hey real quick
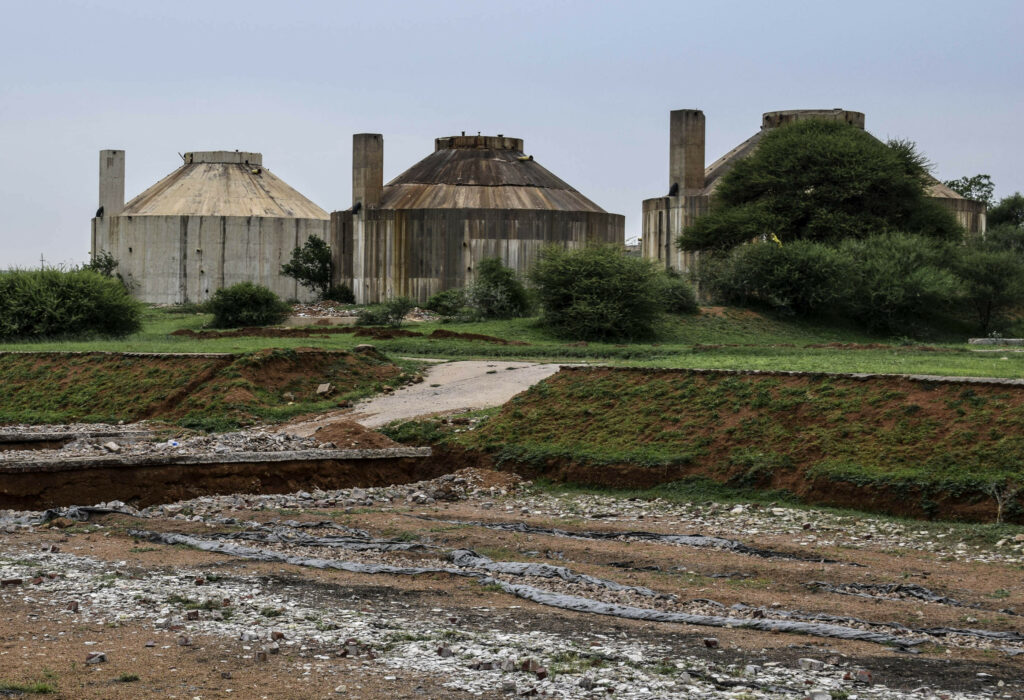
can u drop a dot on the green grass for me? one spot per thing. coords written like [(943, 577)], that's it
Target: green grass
[(738, 339), (33, 688)]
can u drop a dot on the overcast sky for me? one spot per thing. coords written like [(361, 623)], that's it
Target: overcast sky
[(587, 85)]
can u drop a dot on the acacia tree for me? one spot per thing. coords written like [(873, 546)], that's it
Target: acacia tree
[(977, 187), (821, 181), (311, 265)]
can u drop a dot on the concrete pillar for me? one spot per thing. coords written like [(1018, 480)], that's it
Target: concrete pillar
[(367, 170), (686, 150), (111, 182)]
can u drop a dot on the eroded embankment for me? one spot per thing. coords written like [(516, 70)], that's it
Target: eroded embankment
[(195, 390), (912, 446)]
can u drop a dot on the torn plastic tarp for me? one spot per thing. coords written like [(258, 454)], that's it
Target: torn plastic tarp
[(686, 540), (886, 591), (537, 595)]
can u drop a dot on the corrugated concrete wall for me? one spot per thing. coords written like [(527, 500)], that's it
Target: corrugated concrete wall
[(970, 214), (664, 219), (383, 253), (179, 259)]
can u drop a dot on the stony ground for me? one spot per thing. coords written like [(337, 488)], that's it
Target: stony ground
[(472, 586)]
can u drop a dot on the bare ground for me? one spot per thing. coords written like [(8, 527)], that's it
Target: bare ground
[(376, 635)]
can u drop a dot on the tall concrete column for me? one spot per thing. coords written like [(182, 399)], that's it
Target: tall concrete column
[(367, 170), (111, 182), (686, 150)]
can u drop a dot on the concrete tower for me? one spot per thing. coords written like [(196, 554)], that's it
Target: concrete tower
[(686, 150), (111, 182)]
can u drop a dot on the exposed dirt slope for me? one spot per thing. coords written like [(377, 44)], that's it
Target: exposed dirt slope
[(912, 447)]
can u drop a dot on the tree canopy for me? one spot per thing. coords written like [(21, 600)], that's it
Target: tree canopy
[(311, 265), (822, 181)]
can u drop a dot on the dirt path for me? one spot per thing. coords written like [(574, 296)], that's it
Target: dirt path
[(446, 388)]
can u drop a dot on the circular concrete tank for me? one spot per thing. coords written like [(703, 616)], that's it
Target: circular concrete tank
[(474, 197), (219, 219)]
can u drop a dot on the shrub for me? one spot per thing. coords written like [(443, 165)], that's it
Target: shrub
[(993, 281), (340, 293), (391, 313), (597, 293), (58, 303), (497, 293), (246, 304), (1009, 210), (801, 277), (102, 262), (899, 280), (677, 294), (311, 265), (448, 303)]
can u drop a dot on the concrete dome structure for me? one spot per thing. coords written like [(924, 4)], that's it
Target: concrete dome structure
[(219, 219), (692, 185), (474, 197)]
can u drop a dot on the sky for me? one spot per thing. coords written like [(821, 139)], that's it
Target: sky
[(587, 85)]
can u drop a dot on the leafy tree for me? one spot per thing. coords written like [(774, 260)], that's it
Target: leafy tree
[(978, 187), (1010, 210), (246, 304), (993, 281), (821, 181), (311, 265), (1006, 237), (597, 293)]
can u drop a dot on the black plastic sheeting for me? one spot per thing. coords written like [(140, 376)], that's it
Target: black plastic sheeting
[(886, 591), (686, 540), (79, 513), (537, 595), (352, 543), (469, 558)]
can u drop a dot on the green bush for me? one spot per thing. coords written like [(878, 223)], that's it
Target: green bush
[(1009, 210), (677, 295), (246, 304), (59, 303), (497, 293), (340, 293), (993, 281), (448, 303), (597, 293), (391, 313), (900, 280), (801, 277)]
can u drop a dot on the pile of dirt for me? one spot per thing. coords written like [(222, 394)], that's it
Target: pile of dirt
[(877, 346), (348, 434), (375, 332), (888, 443)]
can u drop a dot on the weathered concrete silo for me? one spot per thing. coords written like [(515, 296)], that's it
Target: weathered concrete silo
[(692, 186), (473, 197), (219, 219)]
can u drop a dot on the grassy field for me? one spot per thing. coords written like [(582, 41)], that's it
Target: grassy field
[(716, 339)]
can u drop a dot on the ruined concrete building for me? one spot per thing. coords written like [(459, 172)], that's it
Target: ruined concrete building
[(219, 219), (692, 185), (473, 197)]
